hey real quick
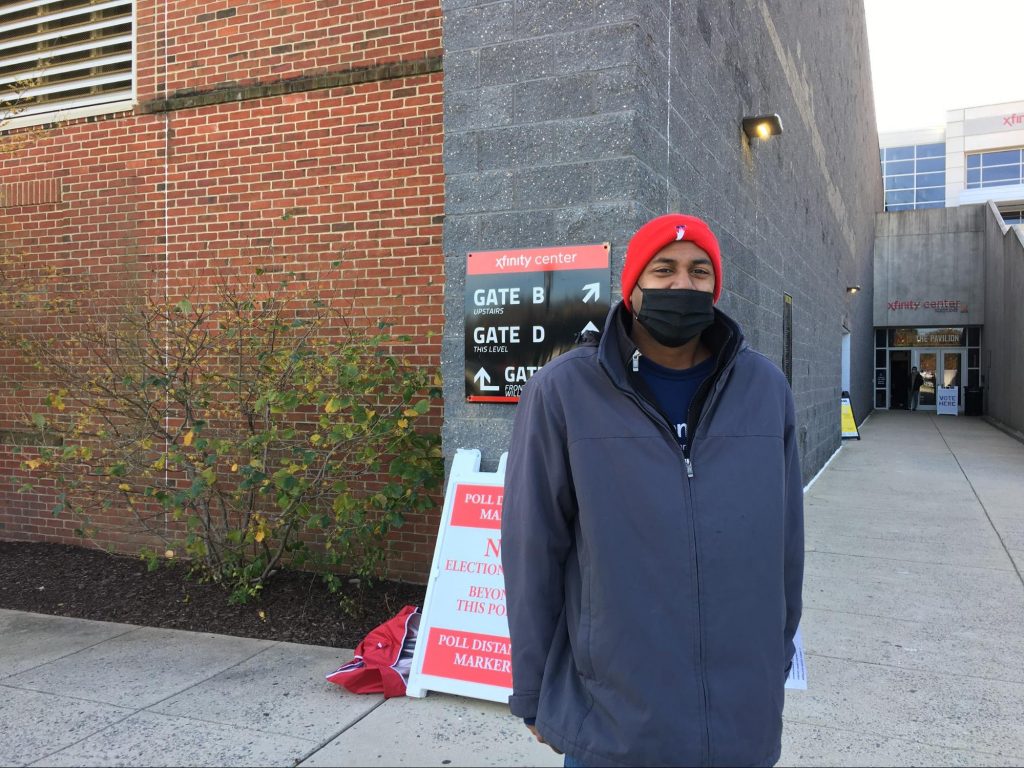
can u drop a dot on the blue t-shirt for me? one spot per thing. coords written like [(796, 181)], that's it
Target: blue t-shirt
[(673, 390)]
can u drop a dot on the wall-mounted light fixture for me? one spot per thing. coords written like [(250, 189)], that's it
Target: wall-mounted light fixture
[(852, 289), (762, 126)]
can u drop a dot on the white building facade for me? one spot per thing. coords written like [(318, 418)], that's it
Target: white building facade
[(977, 156), (935, 272)]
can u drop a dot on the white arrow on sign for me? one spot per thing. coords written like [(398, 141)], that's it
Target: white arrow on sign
[(591, 291), (590, 327), (483, 378)]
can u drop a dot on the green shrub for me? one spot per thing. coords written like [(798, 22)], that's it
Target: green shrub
[(258, 428)]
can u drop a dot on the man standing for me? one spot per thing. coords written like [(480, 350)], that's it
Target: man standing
[(652, 528)]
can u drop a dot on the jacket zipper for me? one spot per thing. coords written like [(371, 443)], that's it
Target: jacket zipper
[(700, 614), (702, 395), (688, 464)]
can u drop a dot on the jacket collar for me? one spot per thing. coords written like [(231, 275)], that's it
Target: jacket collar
[(616, 349)]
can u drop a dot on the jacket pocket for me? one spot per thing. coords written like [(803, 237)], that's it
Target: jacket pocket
[(581, 643)]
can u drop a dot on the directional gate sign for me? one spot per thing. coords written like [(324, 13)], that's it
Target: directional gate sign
[(524, 308)]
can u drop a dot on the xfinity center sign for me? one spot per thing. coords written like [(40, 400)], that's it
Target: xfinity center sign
[(526, 307)]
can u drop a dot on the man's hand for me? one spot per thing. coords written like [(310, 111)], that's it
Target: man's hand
[(538, 737)]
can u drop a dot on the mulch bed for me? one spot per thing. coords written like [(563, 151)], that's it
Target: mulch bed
[(91, 584)]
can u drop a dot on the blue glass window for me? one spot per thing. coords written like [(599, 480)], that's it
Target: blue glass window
[(931, 164), (899, 196), (900, 166), (915, 176), (1001, 175), (1002, 168), (931, 180), (899, 153), (899, 182), (1006, 157)]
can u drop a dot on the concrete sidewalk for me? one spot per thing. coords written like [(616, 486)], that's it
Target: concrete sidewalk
[(913, 626)]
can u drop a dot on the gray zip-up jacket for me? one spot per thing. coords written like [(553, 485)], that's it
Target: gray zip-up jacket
[(653, 596)]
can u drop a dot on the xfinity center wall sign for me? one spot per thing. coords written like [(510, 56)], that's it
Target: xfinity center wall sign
[(526, 307)]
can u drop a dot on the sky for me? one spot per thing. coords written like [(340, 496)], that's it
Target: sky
[(930, 56)]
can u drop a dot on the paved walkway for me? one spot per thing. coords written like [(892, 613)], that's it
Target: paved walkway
[(914, 629)]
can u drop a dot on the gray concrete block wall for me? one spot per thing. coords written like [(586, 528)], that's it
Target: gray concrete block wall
[(539, 131), (923, 255), (1002, 361), (575, 121)]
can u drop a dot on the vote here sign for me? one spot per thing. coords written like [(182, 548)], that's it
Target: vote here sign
[(463, 646), (525, 307)]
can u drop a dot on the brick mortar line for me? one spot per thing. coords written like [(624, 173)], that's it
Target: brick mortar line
[(357, 76)]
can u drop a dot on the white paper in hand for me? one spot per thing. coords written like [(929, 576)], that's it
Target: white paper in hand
[(797, 679)]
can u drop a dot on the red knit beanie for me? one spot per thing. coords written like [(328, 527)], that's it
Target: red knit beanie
[(655, 235)]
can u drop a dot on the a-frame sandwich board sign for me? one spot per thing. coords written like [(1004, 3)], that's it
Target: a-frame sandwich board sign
[(463, 643)]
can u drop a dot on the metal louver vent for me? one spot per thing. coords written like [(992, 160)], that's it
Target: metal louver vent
[(59, 55)]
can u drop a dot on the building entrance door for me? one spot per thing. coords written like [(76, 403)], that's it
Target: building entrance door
[(952, 368), (899, 379), (927, 362), (939, 368)]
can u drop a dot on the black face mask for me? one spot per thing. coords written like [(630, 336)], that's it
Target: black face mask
[(673, 316)]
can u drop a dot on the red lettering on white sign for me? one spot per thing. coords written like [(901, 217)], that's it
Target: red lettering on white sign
[(468, 656), (477, 506)]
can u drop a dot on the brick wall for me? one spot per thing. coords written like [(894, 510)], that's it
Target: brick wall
[(302, 132), (225, 43)]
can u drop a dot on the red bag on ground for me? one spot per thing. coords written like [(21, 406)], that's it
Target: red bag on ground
[(384, 657)]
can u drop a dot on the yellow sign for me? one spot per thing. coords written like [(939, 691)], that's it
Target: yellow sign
[(849, 424)]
